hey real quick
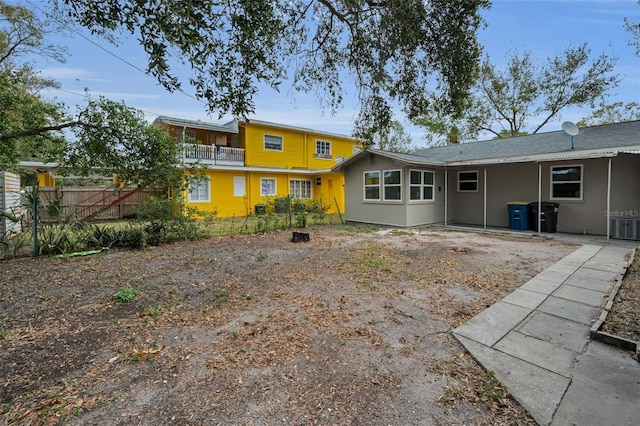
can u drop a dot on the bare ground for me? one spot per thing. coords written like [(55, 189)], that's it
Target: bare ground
[(351, 328), (624, 318)]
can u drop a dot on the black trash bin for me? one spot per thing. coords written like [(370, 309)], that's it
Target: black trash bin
[(551, 215), (533, 218), (548, 218)]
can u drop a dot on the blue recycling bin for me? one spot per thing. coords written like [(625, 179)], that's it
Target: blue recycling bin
[(518, 215)]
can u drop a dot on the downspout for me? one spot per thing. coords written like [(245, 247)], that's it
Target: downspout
[(446, 194), (608, 200), (539, 218), (248, 194), (485, 199)]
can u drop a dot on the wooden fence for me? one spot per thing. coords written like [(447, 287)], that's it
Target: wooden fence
[(94, 203)]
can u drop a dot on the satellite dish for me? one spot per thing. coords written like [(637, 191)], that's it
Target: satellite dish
[(570, 128), (339, 159)]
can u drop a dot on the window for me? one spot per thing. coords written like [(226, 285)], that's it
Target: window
[(239, 186), (273, 143), (566, 182), (468, 181), (392, 185), (421, 186), (199, 190), (187, 136), (323, 149), (267, 186), (372, 186), (300, 188)]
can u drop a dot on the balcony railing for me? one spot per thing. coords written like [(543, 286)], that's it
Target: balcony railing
[(211, 154)]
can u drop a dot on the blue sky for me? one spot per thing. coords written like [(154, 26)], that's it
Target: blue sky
[(545, 27)]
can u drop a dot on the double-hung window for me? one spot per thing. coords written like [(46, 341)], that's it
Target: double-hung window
[(273, 143), (372, 186), (323, 149), (392, 185), (421, 185), (468, 181), (300, 188), (199, 190), (267, 186), (566, 182)]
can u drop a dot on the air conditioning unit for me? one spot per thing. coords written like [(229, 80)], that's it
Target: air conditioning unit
[(624, 228)]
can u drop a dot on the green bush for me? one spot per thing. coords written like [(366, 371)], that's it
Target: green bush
[(299, 206), (171, 220), (133, 237), (301, 220), (282, 205), (125, 294), (103, 236)]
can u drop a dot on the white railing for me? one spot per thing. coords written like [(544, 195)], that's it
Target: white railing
[(209, 154)]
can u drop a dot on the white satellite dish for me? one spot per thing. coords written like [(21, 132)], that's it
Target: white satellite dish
[(570, 128)]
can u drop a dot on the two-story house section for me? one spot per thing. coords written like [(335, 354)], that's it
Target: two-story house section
[(250, 162)]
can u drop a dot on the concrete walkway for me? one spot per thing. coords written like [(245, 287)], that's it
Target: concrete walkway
[(536, 341)]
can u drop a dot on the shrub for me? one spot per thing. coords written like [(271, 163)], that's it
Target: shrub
[(133, 237), (301, 220), (170, 220), (126, 294)]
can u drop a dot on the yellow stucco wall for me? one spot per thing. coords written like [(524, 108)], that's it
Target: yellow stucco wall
[(228, 199), (298, 147), (46, 179), (298, 154)]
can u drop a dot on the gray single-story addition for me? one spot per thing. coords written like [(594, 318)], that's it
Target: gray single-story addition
[(594, 176)]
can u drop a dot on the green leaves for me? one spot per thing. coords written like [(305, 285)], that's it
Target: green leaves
[(398, 52), (114, 139), (505, 100)]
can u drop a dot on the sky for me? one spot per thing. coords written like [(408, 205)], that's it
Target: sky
[(544, 27)]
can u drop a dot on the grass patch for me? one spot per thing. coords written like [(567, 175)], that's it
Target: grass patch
[(125, 294)]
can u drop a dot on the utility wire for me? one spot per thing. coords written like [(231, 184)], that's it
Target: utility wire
[(65, 24)]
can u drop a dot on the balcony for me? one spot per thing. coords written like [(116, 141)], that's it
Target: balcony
[(213, 155)]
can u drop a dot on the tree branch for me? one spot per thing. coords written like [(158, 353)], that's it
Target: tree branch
[(40, 130)]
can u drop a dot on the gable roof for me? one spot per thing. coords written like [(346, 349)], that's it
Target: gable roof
[(196, 124), (398, 158), (592, 142), (551, 145), (289, 127)]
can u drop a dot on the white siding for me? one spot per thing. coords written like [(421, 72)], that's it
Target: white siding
[(9, 201)]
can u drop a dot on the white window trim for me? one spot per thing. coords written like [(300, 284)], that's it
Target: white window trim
[(275, 186), (264, 142), (365, 186), (310, 188), (477, 181), (422, 185), (581, 182), (200, 182), (323, 155), (391, 185)]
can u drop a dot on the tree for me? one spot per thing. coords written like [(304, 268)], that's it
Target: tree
[(22, 109), (21, 105), (115, 140), (23, 33), (634, 28), (394, 139), (616, 112), (107, 136), (397, 51), (505, 102)]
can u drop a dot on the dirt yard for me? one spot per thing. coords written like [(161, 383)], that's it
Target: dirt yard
[(352, 327)]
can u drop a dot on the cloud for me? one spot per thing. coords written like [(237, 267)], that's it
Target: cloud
[(69, 73)]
